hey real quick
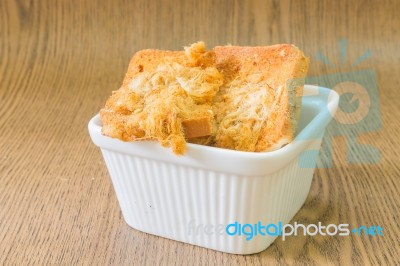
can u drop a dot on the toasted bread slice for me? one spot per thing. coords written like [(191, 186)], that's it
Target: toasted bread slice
[(166, 95), (241, 98), (257, 107)]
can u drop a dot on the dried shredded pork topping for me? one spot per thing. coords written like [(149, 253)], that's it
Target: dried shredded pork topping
[(173, 93)]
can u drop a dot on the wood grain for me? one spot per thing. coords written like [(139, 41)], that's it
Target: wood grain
[(59, 61)]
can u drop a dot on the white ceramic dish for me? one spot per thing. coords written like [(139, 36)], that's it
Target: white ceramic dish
[(194, 197)]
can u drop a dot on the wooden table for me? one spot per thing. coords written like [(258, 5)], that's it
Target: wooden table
[(60, 60)]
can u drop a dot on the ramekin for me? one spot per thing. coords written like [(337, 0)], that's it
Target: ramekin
[(192, 198)]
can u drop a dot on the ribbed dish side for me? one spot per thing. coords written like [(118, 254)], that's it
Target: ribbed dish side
[(187, 204)]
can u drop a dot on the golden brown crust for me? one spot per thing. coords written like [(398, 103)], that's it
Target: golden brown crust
[(148, 60), (197, 127)]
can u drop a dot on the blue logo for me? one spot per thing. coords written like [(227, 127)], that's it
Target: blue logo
[(358, 112)]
